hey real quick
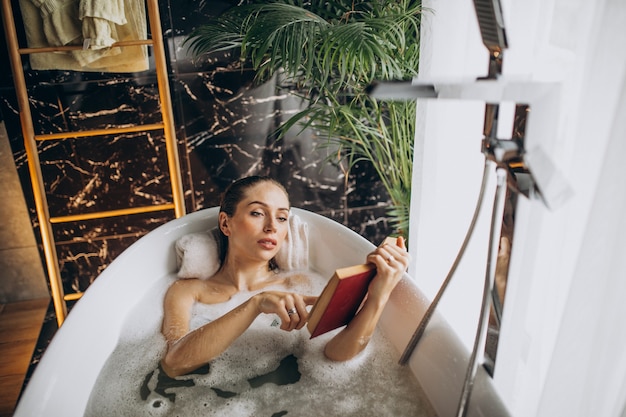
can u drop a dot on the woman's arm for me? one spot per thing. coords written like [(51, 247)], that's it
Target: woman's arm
[(391, 262), (187, 351)]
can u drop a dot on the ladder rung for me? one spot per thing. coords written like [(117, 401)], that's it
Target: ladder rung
[(111, 213), (73, 296), (34, 164), (99, 132), (42, 49), (89, 239)]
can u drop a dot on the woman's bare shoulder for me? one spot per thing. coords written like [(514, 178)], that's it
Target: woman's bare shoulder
[(185, 285), (204, 291)]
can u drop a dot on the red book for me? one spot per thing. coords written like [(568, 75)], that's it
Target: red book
[(340, 299)]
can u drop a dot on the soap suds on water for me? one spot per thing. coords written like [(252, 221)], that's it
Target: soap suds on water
[(265, 372)]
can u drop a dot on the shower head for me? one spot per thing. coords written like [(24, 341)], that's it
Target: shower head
[(491, 24)]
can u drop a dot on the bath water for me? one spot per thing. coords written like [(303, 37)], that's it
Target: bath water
[(265, 372)]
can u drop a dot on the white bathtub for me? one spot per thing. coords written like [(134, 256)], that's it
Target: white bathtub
[(63, 380)]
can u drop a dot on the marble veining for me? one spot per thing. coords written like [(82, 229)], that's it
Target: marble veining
[(225, 128)]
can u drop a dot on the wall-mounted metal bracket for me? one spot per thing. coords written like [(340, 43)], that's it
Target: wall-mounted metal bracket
[(536, 121)]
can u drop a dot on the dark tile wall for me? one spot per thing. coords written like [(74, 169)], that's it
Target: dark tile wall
[(224, 127)]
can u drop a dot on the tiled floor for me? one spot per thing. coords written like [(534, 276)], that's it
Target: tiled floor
[(20, 326)]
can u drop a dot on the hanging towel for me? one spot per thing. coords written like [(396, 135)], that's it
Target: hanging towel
[(94, 24), (99, 20), (60, 22)]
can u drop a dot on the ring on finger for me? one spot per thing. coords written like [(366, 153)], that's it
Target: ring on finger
[(291, 311), (390, 259)]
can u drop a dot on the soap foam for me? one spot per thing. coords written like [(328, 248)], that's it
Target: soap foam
[(371, 384)]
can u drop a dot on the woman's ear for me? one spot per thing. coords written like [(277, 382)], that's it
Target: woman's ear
[(223, 223)]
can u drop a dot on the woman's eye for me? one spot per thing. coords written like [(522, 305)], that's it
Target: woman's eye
[(256, 213), (282, 219)]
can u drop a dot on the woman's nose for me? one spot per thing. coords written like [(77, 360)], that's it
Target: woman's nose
[(269, 225)]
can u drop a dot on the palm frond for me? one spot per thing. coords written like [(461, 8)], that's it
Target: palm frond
[(222, 34), (332, 50), (282, 36)]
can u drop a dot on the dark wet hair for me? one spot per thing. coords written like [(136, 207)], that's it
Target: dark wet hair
[(235, 192), (231, 197)]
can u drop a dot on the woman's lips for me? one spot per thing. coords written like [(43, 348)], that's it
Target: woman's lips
[(267, 243)]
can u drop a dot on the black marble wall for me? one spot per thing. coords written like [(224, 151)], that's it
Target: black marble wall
[(224, 127)]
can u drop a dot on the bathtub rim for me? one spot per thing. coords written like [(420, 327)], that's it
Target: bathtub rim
[(439, 362)]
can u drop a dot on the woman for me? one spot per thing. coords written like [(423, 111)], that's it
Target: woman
[(254, 218)]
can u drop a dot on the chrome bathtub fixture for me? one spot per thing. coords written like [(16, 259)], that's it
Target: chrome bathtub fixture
[(519, 171), (517, 174)]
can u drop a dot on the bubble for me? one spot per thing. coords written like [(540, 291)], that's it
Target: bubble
[(266, 371)]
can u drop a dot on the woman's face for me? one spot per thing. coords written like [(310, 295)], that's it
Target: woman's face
[(260, 223)]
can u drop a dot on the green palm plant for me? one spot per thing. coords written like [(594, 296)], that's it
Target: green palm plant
[(331, 51)]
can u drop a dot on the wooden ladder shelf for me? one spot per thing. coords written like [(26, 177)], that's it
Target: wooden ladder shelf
[(30, 143)]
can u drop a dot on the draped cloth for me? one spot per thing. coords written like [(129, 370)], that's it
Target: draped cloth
[(94, 24)]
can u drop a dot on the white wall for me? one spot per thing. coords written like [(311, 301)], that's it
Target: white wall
[(448, 166), (563, 336)]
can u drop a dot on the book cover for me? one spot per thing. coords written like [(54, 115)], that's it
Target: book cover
[(340, 299)]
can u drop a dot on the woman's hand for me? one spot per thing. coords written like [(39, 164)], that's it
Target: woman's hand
[(290, 307), (391, 262), (195, 348)]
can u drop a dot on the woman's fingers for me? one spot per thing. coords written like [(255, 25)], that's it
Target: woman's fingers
[(291, 308), (301, 302), (300, 316), (391, 260), (393, 255), (299, 313), (285, 319)]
